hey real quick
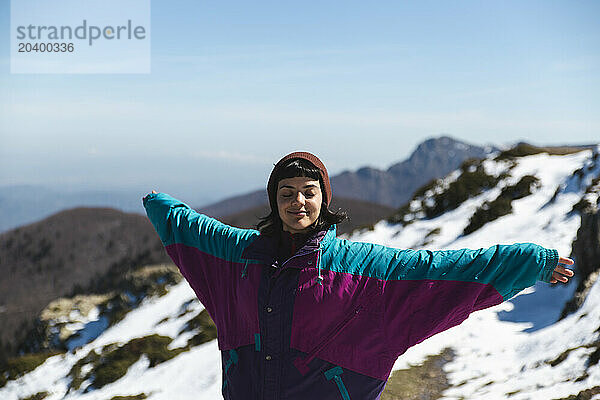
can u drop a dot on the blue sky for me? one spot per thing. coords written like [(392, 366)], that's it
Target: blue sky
[(236, 85)]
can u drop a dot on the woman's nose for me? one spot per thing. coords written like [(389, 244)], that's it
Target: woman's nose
[(299, 198)]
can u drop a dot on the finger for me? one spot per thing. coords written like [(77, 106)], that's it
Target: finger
[(564, 271), (559, 277), (565, 260), (154, 191)]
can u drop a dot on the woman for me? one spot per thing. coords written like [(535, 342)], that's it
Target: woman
[(302, 314)]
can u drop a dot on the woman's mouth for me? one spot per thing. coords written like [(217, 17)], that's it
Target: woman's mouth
[(298, 213)]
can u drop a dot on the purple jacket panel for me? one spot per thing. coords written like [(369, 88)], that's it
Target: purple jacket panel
[(374, 321), (344, 316), (417, 310), (229, 299)]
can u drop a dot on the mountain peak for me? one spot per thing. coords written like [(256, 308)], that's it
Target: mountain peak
[(443, 146)]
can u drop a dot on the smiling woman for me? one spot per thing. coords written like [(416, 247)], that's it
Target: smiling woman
[(302, 314)]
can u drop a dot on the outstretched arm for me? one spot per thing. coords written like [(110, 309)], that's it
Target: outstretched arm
[(209, 256), (427, 292)]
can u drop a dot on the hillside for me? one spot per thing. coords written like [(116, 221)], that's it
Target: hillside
[(65, 253), (162, 347), (516, 350)]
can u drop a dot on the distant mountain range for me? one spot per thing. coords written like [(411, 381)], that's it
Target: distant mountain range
[(24, 204), (369, 194), (431, 159), (434, 158)]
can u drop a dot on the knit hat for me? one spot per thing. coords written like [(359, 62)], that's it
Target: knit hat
[(314, 160)]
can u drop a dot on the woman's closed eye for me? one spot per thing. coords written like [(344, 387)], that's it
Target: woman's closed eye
[(307, 195)]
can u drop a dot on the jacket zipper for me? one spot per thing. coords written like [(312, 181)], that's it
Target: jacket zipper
[(278, 271), (298, 255)]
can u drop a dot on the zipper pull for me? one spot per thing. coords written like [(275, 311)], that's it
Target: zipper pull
[(319, 277)]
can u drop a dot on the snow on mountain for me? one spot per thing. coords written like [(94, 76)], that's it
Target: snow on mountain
[(496, 358), (192, 374), (515, 350)]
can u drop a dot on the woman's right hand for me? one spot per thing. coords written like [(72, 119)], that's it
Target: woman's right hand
[(562, 274), (153, 192)]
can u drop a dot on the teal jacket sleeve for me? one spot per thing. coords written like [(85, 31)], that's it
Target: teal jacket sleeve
[(427, 292), (508, 268), (178, 224)]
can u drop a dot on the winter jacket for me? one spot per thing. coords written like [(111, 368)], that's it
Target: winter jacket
[(330, 321)]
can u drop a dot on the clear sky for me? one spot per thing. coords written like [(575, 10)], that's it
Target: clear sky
[(235, 85)]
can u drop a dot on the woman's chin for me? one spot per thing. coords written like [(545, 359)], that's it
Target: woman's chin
[(297, 227)]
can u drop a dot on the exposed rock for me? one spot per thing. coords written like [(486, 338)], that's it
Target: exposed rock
[(502, 205), (586, 251), (586, 247), (64, 307)]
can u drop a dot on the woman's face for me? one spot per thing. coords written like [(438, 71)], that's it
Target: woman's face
[(299, 203)]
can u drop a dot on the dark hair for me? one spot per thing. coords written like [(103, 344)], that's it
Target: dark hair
[(296, 167)]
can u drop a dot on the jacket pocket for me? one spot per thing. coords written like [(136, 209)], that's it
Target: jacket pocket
[(335, 375), (302, 363), (233, 359)]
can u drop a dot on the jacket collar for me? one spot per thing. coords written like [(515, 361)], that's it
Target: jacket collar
[(264, 248)]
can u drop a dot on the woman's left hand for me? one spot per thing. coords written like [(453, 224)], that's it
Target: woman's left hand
[(562, 274)]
